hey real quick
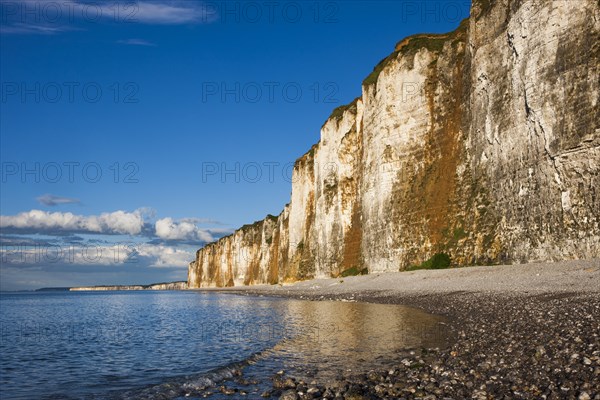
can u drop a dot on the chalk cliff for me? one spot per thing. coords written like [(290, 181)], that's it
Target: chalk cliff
[(483, 143), (181, 285)]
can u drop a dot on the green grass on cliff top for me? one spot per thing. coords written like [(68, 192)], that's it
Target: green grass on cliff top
[(432, 42)]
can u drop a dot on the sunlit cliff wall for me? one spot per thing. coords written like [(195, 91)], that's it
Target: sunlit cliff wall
[(483, 143), (155, 286)]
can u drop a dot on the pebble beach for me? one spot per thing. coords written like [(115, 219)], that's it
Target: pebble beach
[(521, 331)]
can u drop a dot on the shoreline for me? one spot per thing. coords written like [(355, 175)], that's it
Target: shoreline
[(518, 279), (526, 331)]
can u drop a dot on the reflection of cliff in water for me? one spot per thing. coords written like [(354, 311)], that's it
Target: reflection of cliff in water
[(355, 336), (253, 338)]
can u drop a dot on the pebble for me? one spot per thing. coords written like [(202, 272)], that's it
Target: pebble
[(289, 395)]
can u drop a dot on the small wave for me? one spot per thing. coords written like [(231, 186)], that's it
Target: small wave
[(196, 385)]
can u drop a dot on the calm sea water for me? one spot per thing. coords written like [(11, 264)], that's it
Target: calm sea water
[(122, 345)]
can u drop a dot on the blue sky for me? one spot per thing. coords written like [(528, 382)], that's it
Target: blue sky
[(160, 125)]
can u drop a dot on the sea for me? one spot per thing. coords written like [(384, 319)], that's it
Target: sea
[(185, 344)]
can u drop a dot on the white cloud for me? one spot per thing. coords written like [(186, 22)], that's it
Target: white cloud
[(33, 28), (108, 223), (136, 42), (172, 13), (33, 17), (52, 200), (146, 255), (166, 256), (118, 222), (168, 229)]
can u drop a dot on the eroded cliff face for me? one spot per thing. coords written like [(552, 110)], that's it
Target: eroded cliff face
[(181, 285), (534, 134), (483, 143)]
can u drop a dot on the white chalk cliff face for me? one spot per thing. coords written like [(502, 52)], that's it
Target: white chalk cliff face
[(483, 143)]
